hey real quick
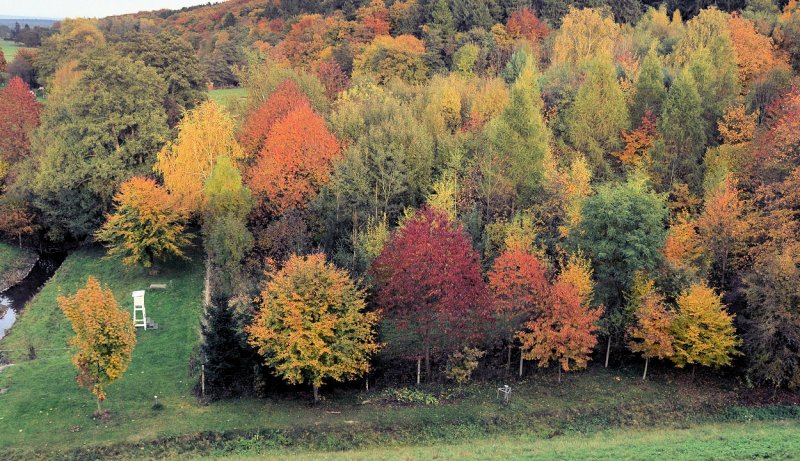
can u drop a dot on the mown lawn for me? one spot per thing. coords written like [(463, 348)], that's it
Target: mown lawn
[(44, 415), (228, 97), (9, 49)]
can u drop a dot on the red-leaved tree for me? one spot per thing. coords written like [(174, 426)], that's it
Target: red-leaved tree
[(431, 289), (518, 284), (257, 126), (19, 114), (296, 160)]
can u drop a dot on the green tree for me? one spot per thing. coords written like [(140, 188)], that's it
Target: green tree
[(225, 233), (598, 115), (176, 62), (105, 127), (519, 139), (387, 168), (311, 326), (684, 132), (622, 230), (650, 91)]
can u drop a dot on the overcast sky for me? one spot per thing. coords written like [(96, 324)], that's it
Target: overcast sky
[(86, 8)]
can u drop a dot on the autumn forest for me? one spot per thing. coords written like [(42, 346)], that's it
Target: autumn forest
[(414, 194)]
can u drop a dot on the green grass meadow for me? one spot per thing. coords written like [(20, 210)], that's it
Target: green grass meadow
[(9, 49), (228, 97), (732, 441)]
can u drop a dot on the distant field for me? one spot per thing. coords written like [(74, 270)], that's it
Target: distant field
[(227, 97), (9, 49)]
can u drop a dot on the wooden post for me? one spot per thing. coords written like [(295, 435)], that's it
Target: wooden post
[(203, 380)]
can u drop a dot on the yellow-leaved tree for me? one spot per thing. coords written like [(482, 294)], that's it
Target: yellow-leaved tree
[(312, 326), (145, 227), (703, 329), (651, 333), (204, 134), (104, 337)]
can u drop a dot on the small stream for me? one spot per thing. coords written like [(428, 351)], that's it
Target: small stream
[(13, 300)]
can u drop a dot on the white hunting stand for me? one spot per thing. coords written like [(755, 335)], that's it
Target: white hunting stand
[(504, 393), (139, 314)]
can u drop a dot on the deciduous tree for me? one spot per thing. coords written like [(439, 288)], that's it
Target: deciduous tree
[(145, 228), (519, 286), (703, 329), (296, 160), (564, 333), (225, 233), (721, 226), (103, 128), (257, 126), (622, 232), (598, 114), (519, 139), (104, 337), (312, 326), (204, 134), (651, 334), (430, 286), (388, 57), (19, 115)]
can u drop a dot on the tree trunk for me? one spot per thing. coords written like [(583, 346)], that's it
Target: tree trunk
[(99, 410), (508, 362), (316, 393), (559, 373), (608, 350), (207, 287), (520, 362), (646, 362), (428, 363), (419, 369), (694, 367)]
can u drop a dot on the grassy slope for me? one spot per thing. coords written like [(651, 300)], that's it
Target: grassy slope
[(227, 97), (775, 440), (9, 49), (44, 409), (43, 402), (12, 258)]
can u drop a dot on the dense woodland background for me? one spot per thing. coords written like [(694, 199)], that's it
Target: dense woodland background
[(460, 180)]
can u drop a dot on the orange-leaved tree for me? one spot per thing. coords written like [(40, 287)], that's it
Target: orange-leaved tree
[(145, 227), (104, 337), (722, 226), (19, 115), (311, 325), (565, 331), (651, 333), (256, 128), (296, 160), (204, 134), (518, 284)]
